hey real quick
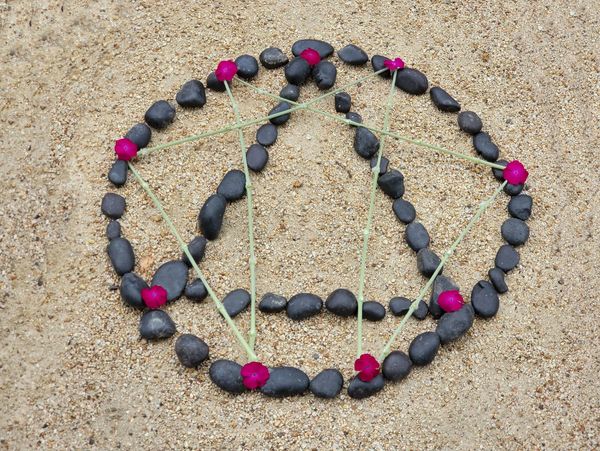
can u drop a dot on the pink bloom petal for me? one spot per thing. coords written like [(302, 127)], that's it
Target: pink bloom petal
[(125, 149), (154, 297), (450, 301), (311, 56), (254, 375), (515, 173), (367, 367), (395, 64), (226, 70)]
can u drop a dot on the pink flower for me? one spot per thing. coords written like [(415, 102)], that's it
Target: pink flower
[(125, 149), (226, 70), (451, 300), (515, 173), (311, 56), (367, 367), (154, 297), (395, 64), (254, 375)]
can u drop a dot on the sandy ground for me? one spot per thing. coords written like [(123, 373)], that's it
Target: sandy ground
[(74, 373)]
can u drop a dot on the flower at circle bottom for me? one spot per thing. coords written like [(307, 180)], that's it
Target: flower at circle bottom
[(515, 173), (450, 300), (125, 149), (395, 64), (367, 367), (154, 297), (226, 70), (254, 375), (311, 56)]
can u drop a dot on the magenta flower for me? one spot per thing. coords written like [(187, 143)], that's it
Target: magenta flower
[(450, 301), (125, 149), (226, 70), (515, 173), (254, 375), (154, 297), (395, 64), (367, 367), (311, 56)]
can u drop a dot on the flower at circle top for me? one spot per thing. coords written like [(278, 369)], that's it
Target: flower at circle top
[(450, 300), (311, 56), (395, 64), (367, 367), (125, 149), (154, 297), (515, 173), (254, 375), (226, 70)]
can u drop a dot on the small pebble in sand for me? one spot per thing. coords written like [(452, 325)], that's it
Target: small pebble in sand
[(236, 302), (210, 218), (257, 157), (327, 384), (272, 58), (225, 374), (469, 122), (520, 207), (383, 164), (515, 231), (195, 290), (121, 255), (290, 92), (160, 114), (507, 258), (443, 101), (213, 83), (172, 276), (297, 71), (424, 348), (427, 262), (272, 303), (324, 75), (191, 350), (233, 185), (282, 118), (453, 325), (484, 146), (404, 211), (285, 381), (353, 55), (266, 135), (358, 389), (441, 283), (396, 366), (373, 311), (366, 143), (156, 324), (496, 276), (416, 236), (191, 94), (196, 248), (343, 102), (131, 290), (113, 229), (342, 302), (392, 183), (325, 49), (303, 305), (118, 173), (140, 134), (247, 66), (484, 299), (113, 205), (412, 81)]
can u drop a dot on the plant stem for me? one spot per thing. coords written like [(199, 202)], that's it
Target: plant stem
[(367, 230), (413, 306), (252, 260), (249, 352)]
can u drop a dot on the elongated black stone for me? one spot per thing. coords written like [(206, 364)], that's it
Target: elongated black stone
[(285, 381), (210, 218), (225, 374), (412, 81), (358, 389), (121, 255), (443, 101), (424, 348), (323, 48)]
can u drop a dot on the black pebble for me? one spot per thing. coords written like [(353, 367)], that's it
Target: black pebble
[(272, 58), (113, 205), (404, 211), (266, 135), (443, 100), (324, 74), (513, 190), (416, 236), (469, 122), (327, 384), (210, 218), (358, 389), (290, 92), (499, 173), (156, 324), (424, 348), (172, 276), (272, 303), (442, 283), (520, 207), (303, 305), (485, 147), (196, 247), (297, 71), (236, 302), (325, 49), (373, 311), (422, 310), (225, 374), (195, 290), (412, 81), (121, 255), (515, 231), (285, 381), (213, 83), (282, 118), (453, 325), (484, 299), (366, 143), (427, 262), (496, 276), (257, 157), (343, 102), (353, 55), (507, 258), (160, 114), (354, 117), (191, 350), (233, 185), (399, 306), (342, 302), (392, 183), (191, 94), (131, 290), (113, 229), (118, 173), (377, 62), (139, 134), (383, 164), (396, 366), (247, 66)]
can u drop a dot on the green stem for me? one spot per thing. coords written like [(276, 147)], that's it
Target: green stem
[(413, 306), (249, 352), (252, 260)]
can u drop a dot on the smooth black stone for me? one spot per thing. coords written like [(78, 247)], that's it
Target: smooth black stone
[(113, 205), (422, 310), (342, 302), (266, 135), (196, 247), (484, 146), (496, 276), (191, 94), (327, 384), (272, 303), (469, 122), (140, 134), (303, 305), (498, 173), (484, 299), (297, 71), (290, 92), (225, 374), (515, 231), (285, 381), (513, 190), (377, 62), (416, 236), (210, 218), (373, 311), (443, 101), (233, 185), (399, 305), (121, 255), (213, 83), (236, 302), (195, 290), (384, 164), (191, 350), (412, 81), (131, 290), (247, 66), (396, 366), (113, 229), (427, 262), (453, 325), (280, 108), (520, 207), (324, 48), (353, 55), (392, 183), (366, 143), (358, 389), (354, 117), (272, 58), (424, 348), (156, 324), (324, 74), (118, 173), (160, 114), (507, 258), (257, 157), (172, 276), (441, 283), (343, 102), (404, 211)]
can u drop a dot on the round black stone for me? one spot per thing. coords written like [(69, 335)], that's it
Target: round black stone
[(272, 303), (327, 384), (469, 122), (118, 173), (233, 185), (140, 134), (342, 302), (453, 325), (515, 231), (191, 350), (285, 381), (191, 94), (236, 302), (496, 276), (343, 102), (412, 81), (427, 262), (210, 218), (507, 258), (441, 283), (156, 324), (325, 49), (113, 205), (399, 306), (282, 118), (396, 366), (290, 92), (113, 229), (424, 348), (383, 164), (520, 206), (195, 290), (416, 236), (404, 211), (354, 117), (484, 146), (247, 66), (443, 101), (324, 74), (303, 305), (353, 55), (513, 190), (484, 299), (160, 114), (225, 374), (121, 255), (196, 248), (266, 135), (377, 62), (422, 310), (257, 157), (272, 58), (172, 276), (366, 143), (392, 183), (499, 173), (131, 290), (358, 389), (297, 71), (373, 311), (213, 83)]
